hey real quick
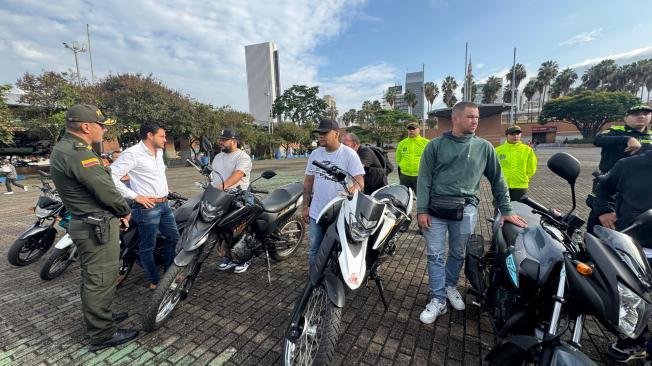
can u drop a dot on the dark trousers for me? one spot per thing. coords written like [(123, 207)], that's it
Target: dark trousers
[(409, 181), (10, 181), (515, 194), (150, 222)]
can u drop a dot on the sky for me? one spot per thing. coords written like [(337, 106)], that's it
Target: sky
[(351, 49)]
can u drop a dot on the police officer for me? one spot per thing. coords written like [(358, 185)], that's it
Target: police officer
[(619, 142), (88, 192)]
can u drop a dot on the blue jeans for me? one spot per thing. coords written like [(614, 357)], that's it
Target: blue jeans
[(458, 234), (316, 236), (150, 222)]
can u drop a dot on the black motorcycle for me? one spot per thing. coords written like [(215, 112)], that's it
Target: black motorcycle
[(37, 240), (240, 225), (535, 281)]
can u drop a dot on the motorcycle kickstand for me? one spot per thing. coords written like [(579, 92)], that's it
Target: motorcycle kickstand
[(269, 271), (381, 288)]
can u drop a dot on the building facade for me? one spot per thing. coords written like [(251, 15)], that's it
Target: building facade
[(414, 82), (263, 80)]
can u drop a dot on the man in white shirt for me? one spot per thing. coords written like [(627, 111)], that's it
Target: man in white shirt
[(231, 169), (144, 165), (330, 152)]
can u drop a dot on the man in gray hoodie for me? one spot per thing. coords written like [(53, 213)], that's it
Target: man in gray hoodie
[(10, 180), (450, 170)]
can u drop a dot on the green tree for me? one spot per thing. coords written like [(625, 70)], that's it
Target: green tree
[(291, 133), (589, 111), (410, 98), (349, 116), (48, 95), (6, 131), (648, 80), (448, 87), (529, 90), (388, 125), (431, 91), (491, 89), (563, 82), (547, 73), (519, 76), (300, 104), (600, 76), (390, 98)]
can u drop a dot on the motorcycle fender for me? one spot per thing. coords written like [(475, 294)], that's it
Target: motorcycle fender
[(35, 229), (567, 355), (521, 341), (64, 242), (184, 258), (334, 289)]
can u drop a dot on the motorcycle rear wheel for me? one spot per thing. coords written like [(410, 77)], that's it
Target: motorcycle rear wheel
[(291, 234), (319, 327), (173, 287), (124, 268), (28, 250), (57, 263)]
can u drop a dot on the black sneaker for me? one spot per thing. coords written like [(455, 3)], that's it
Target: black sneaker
[(624, 350)]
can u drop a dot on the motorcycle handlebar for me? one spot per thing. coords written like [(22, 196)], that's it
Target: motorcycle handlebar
[(259, 191), (333, 171), (43, 174), (176, 196), (537, 206)]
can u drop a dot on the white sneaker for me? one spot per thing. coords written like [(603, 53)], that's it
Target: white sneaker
[(226, 264), (25, 188), (456, 300), (241, 267), (9, 192), (434, 309)]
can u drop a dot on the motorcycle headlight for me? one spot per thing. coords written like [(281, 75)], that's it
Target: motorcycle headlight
[(361, 229), (632, 310), (209, 212), (42, 212)]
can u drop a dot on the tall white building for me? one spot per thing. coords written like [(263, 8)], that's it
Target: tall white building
[(414, 82), (263, 80)]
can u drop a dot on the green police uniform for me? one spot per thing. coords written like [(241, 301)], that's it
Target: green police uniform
[(87, 190)]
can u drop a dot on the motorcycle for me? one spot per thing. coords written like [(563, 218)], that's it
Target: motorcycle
[(360, 233), (532, 278), (34, 242), (240, 225), (65, 252)]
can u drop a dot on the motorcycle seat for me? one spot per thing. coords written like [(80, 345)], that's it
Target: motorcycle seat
[(511, 231), (398, 195), (282, 197)]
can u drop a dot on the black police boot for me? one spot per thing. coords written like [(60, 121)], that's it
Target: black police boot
[(119, 337)]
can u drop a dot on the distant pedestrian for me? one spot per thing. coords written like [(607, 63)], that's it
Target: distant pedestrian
[(11, 177), (518, 162), (408, 156)]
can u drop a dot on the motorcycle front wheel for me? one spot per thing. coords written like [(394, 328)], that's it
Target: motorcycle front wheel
[(511, 356), (173, 287), (28, 250), (57, 263), (313, 340)]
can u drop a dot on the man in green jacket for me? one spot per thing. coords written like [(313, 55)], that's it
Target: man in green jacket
[(518, 162), (451, 167), (408, 156)]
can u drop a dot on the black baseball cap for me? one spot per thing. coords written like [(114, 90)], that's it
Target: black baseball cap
[(639, 108), (326, 125), (228, 134), (87, 113), (513, 129)]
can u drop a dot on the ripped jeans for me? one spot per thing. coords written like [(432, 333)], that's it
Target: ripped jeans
[(440, 275)]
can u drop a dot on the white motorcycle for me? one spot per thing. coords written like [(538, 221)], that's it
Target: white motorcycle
[(360, 232)]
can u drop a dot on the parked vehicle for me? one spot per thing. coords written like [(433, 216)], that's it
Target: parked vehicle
[(360, 232), (37, 240), (240, 226), (534, 282)]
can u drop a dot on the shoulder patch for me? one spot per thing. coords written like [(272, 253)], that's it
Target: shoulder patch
[(617, 128), (90, 162)]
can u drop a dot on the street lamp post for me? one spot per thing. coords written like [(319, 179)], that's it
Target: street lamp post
[(75, 48)]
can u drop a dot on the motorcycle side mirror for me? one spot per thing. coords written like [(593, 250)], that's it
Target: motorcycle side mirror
[(566, 166), (268, 174), (644, 218)]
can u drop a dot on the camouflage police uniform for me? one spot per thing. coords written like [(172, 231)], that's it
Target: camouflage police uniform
[(88, 192)]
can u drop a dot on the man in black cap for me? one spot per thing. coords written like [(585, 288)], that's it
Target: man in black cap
[(408, 156), (87, 190), (330, 152), (231, 169), (619, 142)]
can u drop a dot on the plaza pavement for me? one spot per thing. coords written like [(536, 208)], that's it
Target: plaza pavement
[(238, 319)]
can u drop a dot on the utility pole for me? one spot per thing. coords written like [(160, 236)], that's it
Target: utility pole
[(466, 55), (75, 48), (90, 55), (423, 95), (512, 110)]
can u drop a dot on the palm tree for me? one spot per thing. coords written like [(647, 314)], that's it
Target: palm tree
[(520, 75), (491, 89), (390, 98), (376, 106), (448, 87), (474, 90), (599, 75), (431, 91), (547, 72), (349, 116), (563, 82), (529, 91), (410, 98), (648, 81)]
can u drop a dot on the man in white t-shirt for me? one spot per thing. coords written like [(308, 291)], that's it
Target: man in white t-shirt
[(231, 169), (330, 152)]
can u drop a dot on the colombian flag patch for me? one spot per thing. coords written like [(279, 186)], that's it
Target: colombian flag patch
[(90, 162)]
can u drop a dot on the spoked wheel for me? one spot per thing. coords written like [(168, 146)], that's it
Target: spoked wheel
[(174, 287), (288, 237), (29, 250), (313, 340), (57, 263), (124, 268)]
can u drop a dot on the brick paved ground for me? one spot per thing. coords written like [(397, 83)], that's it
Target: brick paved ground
[(240, 319)]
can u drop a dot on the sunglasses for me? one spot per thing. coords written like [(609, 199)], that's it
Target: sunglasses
[(515, 133)]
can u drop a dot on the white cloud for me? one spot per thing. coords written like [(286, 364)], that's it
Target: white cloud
[(196, 47), (617, 56), (583, 38)]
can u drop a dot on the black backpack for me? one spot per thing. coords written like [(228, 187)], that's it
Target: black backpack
[(382, 157)]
